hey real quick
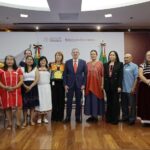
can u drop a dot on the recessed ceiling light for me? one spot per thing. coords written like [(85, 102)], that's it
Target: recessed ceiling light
[(24, 15), (92, 5), (129, 30), (98, 27), (68, 29), (7, 30), (108, 15), (37, 27)]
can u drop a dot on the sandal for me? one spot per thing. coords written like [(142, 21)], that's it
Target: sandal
[(9, 127), (20, 127), (24, 125), (32, 123)]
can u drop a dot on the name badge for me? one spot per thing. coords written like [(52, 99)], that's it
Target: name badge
[(53, 83)]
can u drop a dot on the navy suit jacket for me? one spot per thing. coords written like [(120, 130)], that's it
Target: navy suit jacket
[(70, 77)]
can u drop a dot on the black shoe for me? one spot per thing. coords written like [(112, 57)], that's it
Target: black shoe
[(78, 120), (114, 122), (90, 119), (67, 120), (95, 119), (124, 120), (55, 120), (131, 123), (60, 120), (108, 120), (145, 125)]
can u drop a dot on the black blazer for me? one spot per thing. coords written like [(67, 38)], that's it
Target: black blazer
[(117, 76)]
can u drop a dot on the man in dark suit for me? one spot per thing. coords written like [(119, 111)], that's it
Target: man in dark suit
[(74, 82), (27, 52)]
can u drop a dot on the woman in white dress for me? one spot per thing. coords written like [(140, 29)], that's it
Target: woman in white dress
[(44, 91)]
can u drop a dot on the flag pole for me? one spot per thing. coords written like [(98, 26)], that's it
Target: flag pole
[(102, 57)]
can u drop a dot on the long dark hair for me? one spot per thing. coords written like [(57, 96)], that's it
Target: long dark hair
[(41, 58), (117, 56), (15, 67), (33, 66)]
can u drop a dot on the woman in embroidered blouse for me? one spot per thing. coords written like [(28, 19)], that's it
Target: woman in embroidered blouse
[(94, 100), (11, 78), (58, 93), (44, 90)]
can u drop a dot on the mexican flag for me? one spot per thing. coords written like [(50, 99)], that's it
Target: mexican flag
[(37, 53), (103, 57)]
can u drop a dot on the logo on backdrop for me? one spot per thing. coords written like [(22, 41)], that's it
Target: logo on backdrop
[(60, 39)]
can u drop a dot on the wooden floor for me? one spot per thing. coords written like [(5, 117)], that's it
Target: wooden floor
[(59, 136)]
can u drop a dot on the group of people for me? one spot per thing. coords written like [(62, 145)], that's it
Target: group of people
[(32, 88), (29, 88)]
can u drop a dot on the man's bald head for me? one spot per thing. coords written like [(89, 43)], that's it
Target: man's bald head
[(128, 58)]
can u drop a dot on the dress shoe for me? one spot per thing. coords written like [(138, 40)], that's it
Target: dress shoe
[(145, 125), (67, 120), (124, 120), (114, 122), (131, 123), (90, 119), (95, 119)]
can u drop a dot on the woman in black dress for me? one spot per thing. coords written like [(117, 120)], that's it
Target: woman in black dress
[(113, 75)]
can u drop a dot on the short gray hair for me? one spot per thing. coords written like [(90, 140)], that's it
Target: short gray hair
[(75, 49)]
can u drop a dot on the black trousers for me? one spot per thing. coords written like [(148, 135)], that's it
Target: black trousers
[(113, 106), (58, 100)]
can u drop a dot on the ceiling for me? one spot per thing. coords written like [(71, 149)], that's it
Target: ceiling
[(67, 14)]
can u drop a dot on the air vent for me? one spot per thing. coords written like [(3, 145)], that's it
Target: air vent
[(68, 16)]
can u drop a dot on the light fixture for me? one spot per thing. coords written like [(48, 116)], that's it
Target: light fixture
[(131, 24), (24, 15), (37, 27), (91, 5), (129, 30), (98, 27), (108, 15), (68, 29), (39, 5), (7, 30)]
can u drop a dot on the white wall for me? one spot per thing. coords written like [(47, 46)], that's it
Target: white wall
[(15, 43)]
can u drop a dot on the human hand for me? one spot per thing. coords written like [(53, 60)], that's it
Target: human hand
[(119, 89), (66, 88)]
